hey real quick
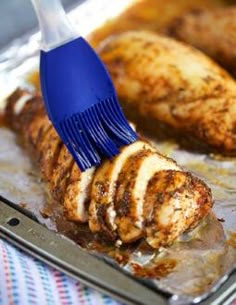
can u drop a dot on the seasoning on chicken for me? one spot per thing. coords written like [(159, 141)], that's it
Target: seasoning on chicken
[(171, 205), (61, 173), (102, 207), (132, 182), (172, 84), (213, 32), (77, 195), (118, 199)]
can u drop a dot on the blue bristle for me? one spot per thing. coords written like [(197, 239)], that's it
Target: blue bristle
[(85, 141), (94, 133), (76, 142), (80, 140), (115, 121)]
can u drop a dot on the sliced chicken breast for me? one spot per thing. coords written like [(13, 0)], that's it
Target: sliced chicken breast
[(11, 107), (61, 173), (36, 128), (77, 194), (121, 194), (132, 182), (102, 211), (174, 200), (49, 147)]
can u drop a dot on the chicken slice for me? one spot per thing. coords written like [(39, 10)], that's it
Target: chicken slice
[(36, 129), (25, 112), (213, 32), (18, 97), (61, 173), (163, 82), (102, 211), (174, 201), (77, 194), (20, 103), (49, 148), (132, 182)]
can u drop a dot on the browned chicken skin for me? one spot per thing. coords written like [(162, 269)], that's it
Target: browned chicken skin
[(213, 32), (119, 198), (173, 84)]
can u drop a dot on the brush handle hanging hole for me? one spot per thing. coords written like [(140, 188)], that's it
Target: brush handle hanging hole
[(13, 222)]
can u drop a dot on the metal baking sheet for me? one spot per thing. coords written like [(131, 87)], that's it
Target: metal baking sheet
[(199, 259)]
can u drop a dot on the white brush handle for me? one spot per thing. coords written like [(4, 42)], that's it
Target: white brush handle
[(53, 22)]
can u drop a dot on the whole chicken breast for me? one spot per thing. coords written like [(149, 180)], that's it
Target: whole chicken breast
[(163, 82), (117, 199), (213, 32)]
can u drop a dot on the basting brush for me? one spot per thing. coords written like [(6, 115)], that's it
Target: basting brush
[(77, 90)]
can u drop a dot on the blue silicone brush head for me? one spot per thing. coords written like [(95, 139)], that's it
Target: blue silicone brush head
[(78, 93), (81, 102)]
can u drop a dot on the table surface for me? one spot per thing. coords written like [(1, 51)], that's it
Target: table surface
[(17, 17)]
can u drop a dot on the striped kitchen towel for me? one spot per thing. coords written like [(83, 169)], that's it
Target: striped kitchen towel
[(27, 281)]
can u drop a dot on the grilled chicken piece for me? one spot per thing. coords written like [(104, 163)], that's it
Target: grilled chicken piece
[(213, 32), (132, 182), (37, 128), (102, 207), (49, 146), (162, 80), (171, 205), (77, 195), (61, 173), (25, 111), (15, 105), (117, 198)]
